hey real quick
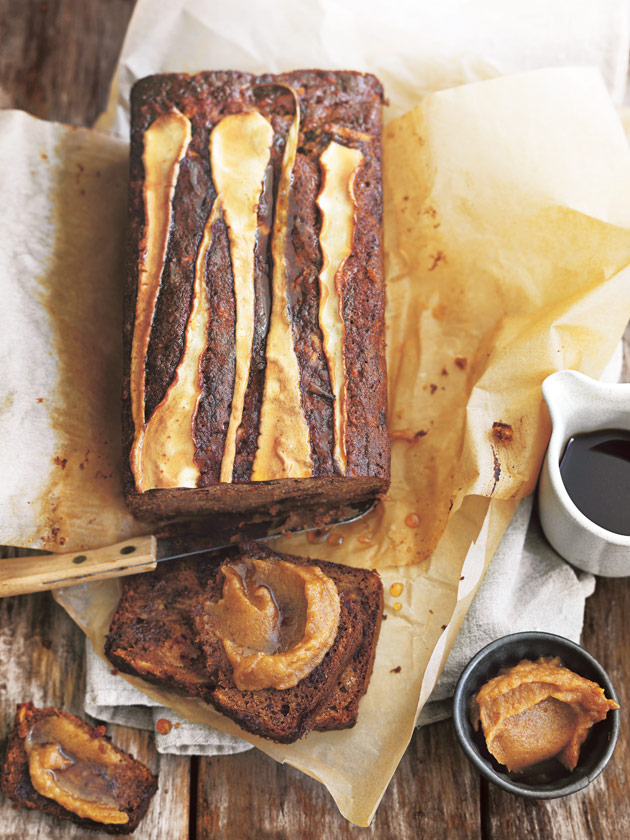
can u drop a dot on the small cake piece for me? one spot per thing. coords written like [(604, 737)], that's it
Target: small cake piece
[(254, 342), (153, 635), (58, 764)]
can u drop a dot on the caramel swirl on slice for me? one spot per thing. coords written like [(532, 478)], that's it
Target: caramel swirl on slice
[(75, 769), (166, 142), (337, 203), (240, 149), (284, 444)]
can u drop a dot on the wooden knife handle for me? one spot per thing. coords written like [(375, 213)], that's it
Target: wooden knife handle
[(19, 575)]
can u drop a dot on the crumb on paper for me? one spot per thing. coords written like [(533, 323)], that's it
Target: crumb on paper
[(437, 258), (60, 462), (502, 432), (407, 435), (163, 726), (395, 670), (461, 362)]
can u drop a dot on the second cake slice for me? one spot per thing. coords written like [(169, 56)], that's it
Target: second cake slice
[(161, 632)]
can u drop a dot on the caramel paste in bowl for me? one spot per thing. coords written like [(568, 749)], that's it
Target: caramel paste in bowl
[(536, 711)]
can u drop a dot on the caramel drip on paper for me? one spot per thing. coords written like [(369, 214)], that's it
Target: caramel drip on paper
[(240, 150), (336, 202), (168, 449), (165, 144), (284, 446)]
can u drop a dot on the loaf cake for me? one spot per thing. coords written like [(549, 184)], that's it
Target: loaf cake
[(254, 351), (161, 632), (58, 764)]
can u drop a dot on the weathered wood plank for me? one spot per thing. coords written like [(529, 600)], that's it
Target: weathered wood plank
[(58, 56), (42, 659), (434, 793)]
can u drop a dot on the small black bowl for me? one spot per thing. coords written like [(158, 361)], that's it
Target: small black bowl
[(551, 780)]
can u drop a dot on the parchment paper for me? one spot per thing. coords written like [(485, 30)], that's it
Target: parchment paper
[(507, 244), (413, 47)]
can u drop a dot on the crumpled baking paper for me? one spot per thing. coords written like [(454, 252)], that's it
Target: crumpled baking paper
[(414, 48), (507, 249)]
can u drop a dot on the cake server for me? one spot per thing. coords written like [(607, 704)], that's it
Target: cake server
[(40, 570)]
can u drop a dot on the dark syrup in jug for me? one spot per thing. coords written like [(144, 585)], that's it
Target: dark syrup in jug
[(595, 469)]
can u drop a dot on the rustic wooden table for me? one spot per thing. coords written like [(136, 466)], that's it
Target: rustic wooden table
[(56, 59)]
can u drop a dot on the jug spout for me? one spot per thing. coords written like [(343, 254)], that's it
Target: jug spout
[(566, 393)]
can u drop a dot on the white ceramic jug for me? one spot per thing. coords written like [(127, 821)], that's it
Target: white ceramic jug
[(580, 404)]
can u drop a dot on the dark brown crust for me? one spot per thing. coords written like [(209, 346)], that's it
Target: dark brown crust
[(342, 708), (343, 106), (284, 498), (139, 783), (153, 635)]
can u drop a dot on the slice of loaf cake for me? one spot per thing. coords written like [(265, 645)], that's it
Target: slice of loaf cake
[(168, 640)]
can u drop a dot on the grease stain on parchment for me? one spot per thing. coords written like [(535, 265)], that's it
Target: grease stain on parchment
[(82, 289)]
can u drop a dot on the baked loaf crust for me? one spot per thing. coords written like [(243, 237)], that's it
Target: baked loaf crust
[(136, 784), (163, 638), (254, 332)]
